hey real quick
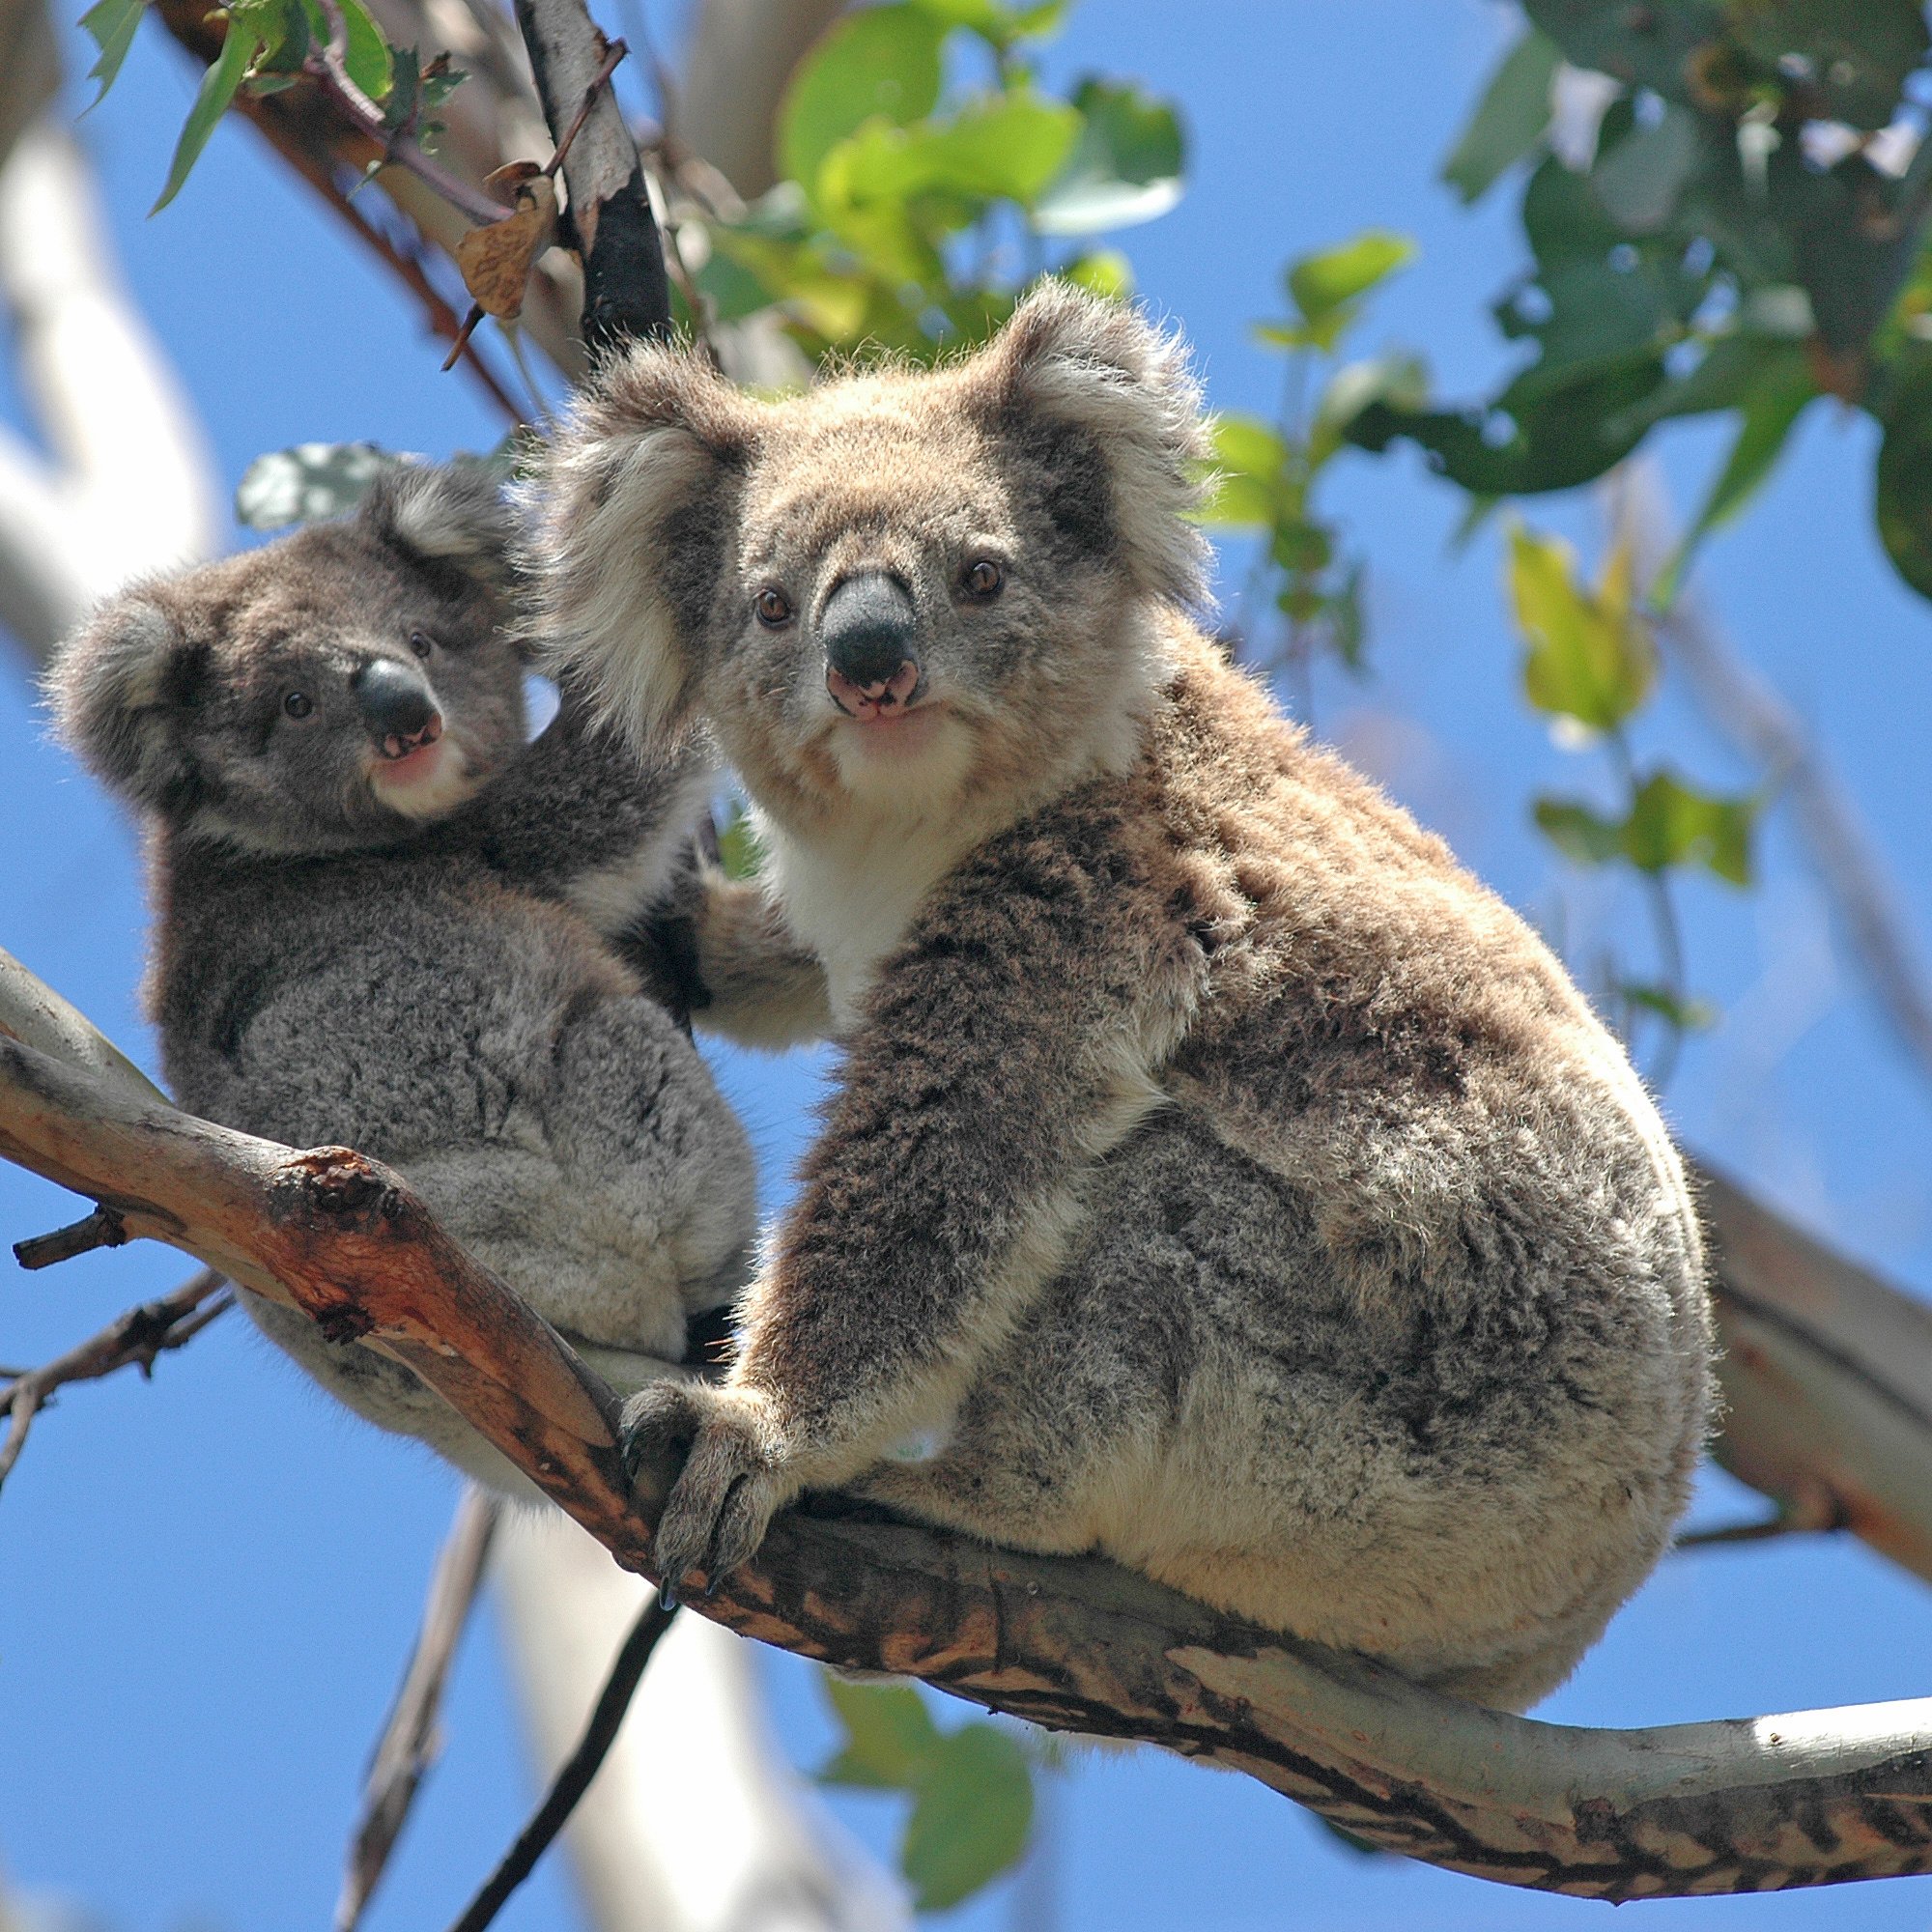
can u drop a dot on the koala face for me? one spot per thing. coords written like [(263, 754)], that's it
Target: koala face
[(321, 693), (897, 588)]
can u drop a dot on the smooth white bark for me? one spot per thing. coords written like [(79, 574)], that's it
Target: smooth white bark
[(126, 484), (694, 1824)]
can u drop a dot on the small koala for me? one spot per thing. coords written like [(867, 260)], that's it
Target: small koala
[(384, 921), (1218, 1176)]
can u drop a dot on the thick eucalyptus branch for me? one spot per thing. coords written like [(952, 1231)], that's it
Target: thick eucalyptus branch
[(1819, 1798), (626, 291)]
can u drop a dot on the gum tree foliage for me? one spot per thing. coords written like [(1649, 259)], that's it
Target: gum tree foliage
[(1740, 232)]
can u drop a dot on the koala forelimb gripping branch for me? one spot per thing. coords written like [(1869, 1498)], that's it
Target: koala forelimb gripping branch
[(1218, 1176)]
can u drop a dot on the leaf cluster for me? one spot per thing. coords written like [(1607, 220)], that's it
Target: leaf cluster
[(1589, 667), (917, 202), (269, 45), (1745, 234), (1263, 474), (971, 1788)]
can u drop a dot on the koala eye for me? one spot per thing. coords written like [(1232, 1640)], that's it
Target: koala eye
[(984, 579), (420, 645), (299, 704), (773, 608)]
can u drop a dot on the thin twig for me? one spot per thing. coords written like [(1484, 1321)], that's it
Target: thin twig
[(331, 68), (412, 1738), (612, 59), (572, 1779), (1812, 1511), (1761, 725), (136, 1337), (101, 1229)]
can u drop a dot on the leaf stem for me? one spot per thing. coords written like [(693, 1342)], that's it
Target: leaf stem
[(331, 68)]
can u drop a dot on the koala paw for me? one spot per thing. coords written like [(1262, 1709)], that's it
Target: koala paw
[(731, 1487)]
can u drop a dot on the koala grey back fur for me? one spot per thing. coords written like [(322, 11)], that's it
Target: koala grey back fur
[(408, 936), (1218, 1178)]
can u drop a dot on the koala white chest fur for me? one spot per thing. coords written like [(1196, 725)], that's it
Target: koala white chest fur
[(1229, 1181)]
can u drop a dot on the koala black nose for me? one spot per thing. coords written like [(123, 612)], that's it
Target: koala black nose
[(872, 637), (396, 706)]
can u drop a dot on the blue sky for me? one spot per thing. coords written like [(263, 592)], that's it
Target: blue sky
[(208, 1582)]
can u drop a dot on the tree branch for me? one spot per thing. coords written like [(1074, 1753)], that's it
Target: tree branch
[(626, 292), (1759, 722), (125, 487), (137, 1339), (330, 149), (412, 1738), (573, 1777), (741, 58), (720, 1832), (1820, 1797)]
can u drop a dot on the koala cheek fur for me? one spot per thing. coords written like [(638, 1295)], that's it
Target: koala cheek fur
[(1218, 1176), (442, 988)]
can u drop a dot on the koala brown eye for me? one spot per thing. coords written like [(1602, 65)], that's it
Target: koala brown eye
[(773, 608), (984, 579), (420, 645), (297, 704)]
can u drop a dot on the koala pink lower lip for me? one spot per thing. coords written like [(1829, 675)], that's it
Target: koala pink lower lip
[(905, 722), (412, 766)]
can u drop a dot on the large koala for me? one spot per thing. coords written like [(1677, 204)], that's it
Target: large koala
[(1218, 1176), (383, 919)]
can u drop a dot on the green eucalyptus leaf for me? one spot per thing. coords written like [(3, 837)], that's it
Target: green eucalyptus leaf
[(367, 54), (1101, 272), (1730, 371), (883, 61), (1654, 46), (995, 22), (1674, 824), (1326, 287), (304, 484), (110, 24), (741, 856), (1640, 180), (1249, 446), (1348, 627), (1246, 467), (890, 1737), (1583, 835), (971, 1819), (1588, 655), (1523, 444), (1854, 59), (1674, 1008), (1510, 119), (1126, 166), (1771, 411), (1904, 493), (217, 89), (1399, 381)]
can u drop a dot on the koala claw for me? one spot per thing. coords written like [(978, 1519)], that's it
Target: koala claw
[(724, 1498)]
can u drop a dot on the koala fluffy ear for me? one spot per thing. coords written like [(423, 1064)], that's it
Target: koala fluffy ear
[(452, 514), (1104, 401), (634, 513), (118, 687)]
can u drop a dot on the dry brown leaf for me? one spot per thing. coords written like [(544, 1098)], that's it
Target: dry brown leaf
[(495, 261)]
